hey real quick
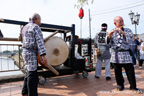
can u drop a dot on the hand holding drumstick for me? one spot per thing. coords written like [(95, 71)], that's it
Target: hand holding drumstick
[(117, 29), (44, 60)]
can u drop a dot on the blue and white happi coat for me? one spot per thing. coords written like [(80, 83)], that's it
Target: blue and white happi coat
[(141, 51), (100, 42), (119, 42), (32, 42)]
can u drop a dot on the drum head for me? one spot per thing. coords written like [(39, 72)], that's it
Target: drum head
[(57, 51)]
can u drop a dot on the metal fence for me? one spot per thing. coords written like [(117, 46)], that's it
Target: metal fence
[(10, 56)]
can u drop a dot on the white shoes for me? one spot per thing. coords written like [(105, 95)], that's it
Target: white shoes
[(140, 67)]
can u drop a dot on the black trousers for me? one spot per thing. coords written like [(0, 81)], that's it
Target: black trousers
[(129, 69), (30, 84), (141, 62)]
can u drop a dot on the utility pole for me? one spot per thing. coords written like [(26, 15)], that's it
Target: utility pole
[(89, 24), (90, 46), (80, 28), (134, 19)]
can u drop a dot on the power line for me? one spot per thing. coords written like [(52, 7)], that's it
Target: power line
[(118, 9)]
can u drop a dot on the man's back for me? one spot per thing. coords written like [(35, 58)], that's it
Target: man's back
[(101, 43), (28, 35)]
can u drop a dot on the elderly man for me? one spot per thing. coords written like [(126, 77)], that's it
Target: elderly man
[(120, 39), (32, 43), (101, 44)]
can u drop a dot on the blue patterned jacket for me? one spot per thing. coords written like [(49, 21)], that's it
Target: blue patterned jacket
[(119, 42), (33, 38), (32, 42)]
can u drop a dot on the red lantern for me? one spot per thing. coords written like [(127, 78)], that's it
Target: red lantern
[(81, 13)]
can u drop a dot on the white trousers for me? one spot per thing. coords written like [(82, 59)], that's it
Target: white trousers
[(99, 67)]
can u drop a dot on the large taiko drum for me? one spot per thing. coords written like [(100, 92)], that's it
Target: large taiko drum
[(56, 51)]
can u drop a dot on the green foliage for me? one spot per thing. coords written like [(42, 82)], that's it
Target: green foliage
[(6, 51), (81, 3)]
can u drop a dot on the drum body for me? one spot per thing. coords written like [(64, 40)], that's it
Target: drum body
[(56, 51)]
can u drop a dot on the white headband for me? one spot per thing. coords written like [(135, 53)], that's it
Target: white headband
[(104, 27)]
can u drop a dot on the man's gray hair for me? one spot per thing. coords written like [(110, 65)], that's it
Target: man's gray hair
[(35, 16)]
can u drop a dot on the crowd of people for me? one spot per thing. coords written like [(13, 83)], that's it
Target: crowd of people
[(119, 48)]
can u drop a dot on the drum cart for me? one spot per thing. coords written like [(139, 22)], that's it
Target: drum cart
[(71, 65)]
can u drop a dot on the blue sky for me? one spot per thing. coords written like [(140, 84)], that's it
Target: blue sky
[(62, 12)]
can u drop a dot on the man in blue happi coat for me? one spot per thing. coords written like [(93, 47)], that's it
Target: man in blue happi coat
[(32, 43), (120, 39), (100, 42)]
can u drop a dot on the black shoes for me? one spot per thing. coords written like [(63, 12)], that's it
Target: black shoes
[(136, 90), (97, 77), (120, 88), (108, 78)]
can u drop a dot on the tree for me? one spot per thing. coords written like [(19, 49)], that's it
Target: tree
[(81, 3), (6, 51)]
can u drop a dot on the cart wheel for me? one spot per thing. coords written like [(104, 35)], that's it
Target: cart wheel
[(42, 80), (85, 74)]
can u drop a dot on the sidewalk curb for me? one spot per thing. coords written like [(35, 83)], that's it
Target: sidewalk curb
[(12, 78)]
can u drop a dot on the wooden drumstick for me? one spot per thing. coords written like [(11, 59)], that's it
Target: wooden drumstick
[(47, 65), (51, 35), (121, 26), (52, 69)]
